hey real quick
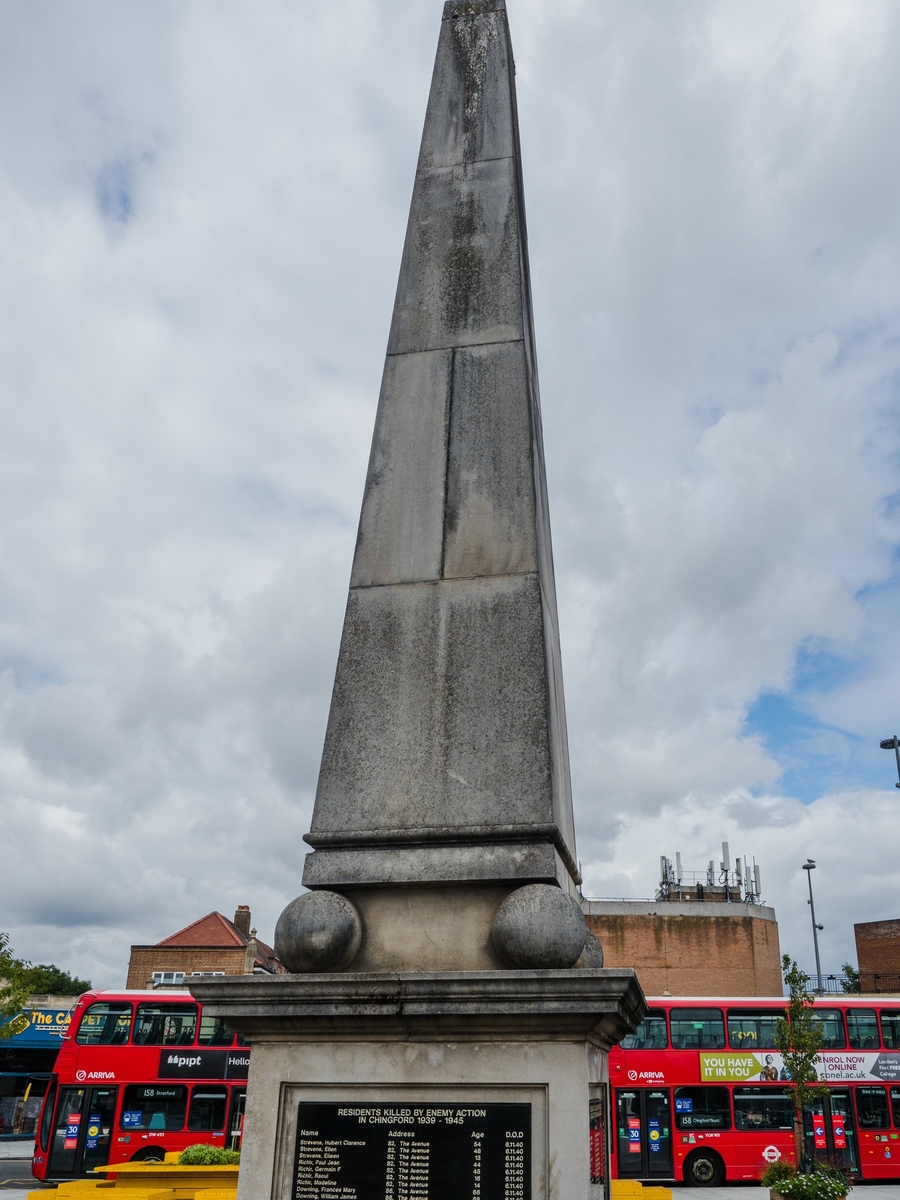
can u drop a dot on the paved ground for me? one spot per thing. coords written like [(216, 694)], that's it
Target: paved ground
[(15, 1173)]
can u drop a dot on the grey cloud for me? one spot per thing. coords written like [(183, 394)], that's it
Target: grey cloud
[(205, 208)]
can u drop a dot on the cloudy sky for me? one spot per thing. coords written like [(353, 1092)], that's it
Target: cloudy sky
[(201, 220)]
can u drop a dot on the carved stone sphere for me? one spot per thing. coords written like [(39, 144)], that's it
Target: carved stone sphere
[(592, 954), (539, 927), (319, 931)]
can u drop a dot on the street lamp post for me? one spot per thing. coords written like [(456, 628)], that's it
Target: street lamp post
[(893, 743), (809, 866)]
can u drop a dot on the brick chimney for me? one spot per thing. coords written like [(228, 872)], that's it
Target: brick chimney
[(242, 919)]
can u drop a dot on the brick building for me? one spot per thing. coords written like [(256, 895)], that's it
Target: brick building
[(688, 948), (212, 945), (878, 955)]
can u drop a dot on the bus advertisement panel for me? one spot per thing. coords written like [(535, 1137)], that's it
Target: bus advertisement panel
[(699, 1091), (139, 1074)]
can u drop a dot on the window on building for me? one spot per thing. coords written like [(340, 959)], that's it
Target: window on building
[(872, 1108), (104, 1024), (702, 1108), (763, 1108), (890, 1028), (156, 1106), (697, 1029), (832, 1025), (649, 1035), (165, 1024), (208, 1106), (862, 1028), (752, 1030), (214, 1032)]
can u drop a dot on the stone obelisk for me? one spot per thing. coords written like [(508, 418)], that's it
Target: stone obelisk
[(445, 760), (444, 985)]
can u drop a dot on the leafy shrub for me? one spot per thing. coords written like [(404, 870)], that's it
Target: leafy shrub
[(824, 1182), (203, 1155), (776, 1173)]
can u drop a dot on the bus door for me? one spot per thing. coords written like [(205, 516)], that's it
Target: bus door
[(236, 1120), (830, 1131), (643, 1134), (83, 1131)]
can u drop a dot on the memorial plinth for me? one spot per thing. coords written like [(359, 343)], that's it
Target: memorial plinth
[(341, 1061), (444, 1033)]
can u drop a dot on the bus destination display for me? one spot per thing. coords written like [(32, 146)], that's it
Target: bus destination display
[(413, 1152)]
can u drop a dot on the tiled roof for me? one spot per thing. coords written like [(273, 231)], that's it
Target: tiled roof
[(211, 930), (214, 932)]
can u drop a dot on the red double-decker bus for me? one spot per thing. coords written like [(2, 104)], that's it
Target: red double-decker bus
[(698, 1091), (139, 1074)]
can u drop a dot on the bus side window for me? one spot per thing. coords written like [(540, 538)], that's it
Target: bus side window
[(895, 1106), (214, 1032), (649, 1035), (208, 1106), (831, 1023), (871, 1108), (697, 1029), (153, 1106), (752, 1030), (762, 1108), (862, 1028), (702, 1108), (890, 1028), (104, 1024), (165, 1024)]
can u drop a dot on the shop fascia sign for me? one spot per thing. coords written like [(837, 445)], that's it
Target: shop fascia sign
[(38, 1026)]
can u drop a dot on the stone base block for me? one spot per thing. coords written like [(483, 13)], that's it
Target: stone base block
[(445, 1086)]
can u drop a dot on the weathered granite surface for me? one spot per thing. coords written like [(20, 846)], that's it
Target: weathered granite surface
[(597, 1006), (445, 757)]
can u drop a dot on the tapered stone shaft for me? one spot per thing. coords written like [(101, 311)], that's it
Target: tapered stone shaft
[(445, 759)]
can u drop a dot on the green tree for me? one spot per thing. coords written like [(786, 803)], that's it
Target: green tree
[(850, 981), (45, 978), (19, 980), (13, 989), (799, 1038)]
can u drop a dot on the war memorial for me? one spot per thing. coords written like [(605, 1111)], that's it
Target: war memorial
[(444, 1031)]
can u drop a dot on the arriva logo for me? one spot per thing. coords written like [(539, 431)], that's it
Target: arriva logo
[(100, 1074), (81, 1076), (179, 1060)]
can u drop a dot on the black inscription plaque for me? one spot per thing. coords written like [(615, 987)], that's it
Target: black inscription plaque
[(413, 1152)]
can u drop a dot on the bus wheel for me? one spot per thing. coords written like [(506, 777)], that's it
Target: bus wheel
[(704, 1168), (150, 1154)]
